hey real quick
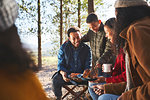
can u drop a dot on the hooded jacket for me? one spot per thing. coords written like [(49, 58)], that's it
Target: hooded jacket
[(137, 46)]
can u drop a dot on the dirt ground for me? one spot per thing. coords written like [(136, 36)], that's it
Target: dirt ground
[(45, 78)]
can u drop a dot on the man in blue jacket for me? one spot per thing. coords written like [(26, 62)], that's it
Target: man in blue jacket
[(73, 57)]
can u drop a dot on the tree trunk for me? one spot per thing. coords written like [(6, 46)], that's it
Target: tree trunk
[(90, 6), (39, 37), (66, 27), (79, 17), (61, 23)]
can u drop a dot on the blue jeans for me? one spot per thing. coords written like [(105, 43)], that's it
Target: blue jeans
[(92, 93), (108, 97)]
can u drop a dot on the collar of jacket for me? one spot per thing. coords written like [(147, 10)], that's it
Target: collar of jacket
[(123, 34), (101, 28)]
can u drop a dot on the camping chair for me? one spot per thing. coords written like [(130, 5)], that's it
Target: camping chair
[(70, 90)]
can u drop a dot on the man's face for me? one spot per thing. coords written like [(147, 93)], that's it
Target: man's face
[(94, 26), (75, 38)]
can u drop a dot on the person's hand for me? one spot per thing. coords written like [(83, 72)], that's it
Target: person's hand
[(94, 72), (75, 78), (86, 73), (102, 68), (98, 65), (98, 89), (74, 75), (64, 75), (100, 80)]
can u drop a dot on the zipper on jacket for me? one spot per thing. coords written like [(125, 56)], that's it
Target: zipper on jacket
[(95, 45)]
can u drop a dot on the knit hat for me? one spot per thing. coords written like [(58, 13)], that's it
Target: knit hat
[(8, 13), (129, 3)]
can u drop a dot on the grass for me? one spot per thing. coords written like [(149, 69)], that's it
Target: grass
[(47, 60)]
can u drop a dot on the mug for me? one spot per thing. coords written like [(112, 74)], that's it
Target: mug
[(107, 70)]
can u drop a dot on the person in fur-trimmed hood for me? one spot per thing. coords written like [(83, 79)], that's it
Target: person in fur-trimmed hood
[(133, 25)]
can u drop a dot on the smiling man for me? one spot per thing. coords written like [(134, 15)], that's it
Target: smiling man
[(73, 57)]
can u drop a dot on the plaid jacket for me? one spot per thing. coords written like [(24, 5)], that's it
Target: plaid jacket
[(100, 46)]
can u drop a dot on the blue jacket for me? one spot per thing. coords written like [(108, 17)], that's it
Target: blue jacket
[(73, 60)]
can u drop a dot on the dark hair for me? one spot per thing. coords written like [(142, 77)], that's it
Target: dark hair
[(92, 17), (126, 16), (110, 23), (72, 29), (12, 55)]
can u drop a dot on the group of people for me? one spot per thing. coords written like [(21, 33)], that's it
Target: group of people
[(122, 41)]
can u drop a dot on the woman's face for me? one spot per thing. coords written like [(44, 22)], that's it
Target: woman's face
[(115, 12), (109, 33)]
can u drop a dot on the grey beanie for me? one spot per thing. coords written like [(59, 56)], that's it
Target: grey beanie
[(129, 3), (8, 13)]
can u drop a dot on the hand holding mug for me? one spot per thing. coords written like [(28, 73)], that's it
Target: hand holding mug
[(107, 68)]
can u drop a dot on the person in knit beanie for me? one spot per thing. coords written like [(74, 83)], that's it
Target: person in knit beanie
[(8, 13), (133, 29), (18, 80)]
